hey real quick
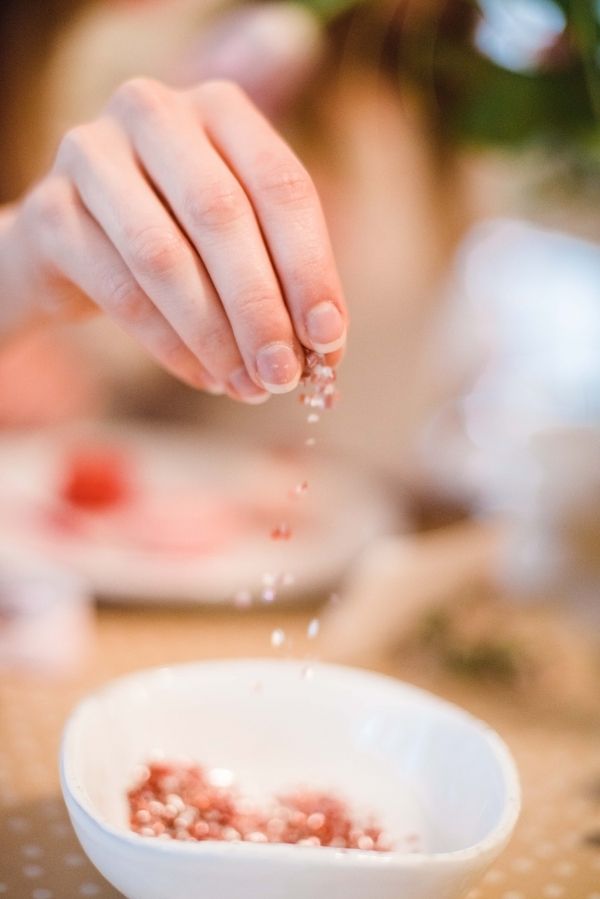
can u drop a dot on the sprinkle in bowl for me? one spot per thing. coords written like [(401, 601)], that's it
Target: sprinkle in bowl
[(442, 784)]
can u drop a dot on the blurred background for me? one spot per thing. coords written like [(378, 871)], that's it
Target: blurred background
[(444, 517), (456, 147)]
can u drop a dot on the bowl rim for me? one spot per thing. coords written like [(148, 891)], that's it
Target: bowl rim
[(492, 843)]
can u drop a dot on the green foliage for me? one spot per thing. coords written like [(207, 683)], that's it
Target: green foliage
[(555, 104), (482, 657), (329, 9), (485, 660)]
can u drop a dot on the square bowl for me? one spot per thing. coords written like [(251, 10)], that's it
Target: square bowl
[(420, 765)]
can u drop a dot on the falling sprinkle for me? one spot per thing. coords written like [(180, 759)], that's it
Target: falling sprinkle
[(299, 490), (287, 579), (281, 532), (312, 630), (319, 393), (307, 672), (319, 383), (277, 638)]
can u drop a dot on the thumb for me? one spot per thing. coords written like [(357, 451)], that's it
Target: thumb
[(271, 50)]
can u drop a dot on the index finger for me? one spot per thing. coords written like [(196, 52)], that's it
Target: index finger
[(288, 209)]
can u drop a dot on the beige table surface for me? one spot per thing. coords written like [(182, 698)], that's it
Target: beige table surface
[(555, 853)]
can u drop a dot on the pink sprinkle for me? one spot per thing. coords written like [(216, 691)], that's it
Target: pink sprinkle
[(299, 490)]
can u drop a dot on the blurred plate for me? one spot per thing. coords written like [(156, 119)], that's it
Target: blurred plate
[(201, 520)]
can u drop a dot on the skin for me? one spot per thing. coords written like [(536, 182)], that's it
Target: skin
[(186, 218)]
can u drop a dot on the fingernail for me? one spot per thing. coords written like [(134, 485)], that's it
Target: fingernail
[(326, 328), (278, 368), (244, 387)]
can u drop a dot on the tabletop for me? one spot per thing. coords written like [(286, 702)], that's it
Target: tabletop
[(555, 852)]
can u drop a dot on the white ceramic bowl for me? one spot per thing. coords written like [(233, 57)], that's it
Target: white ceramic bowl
[(418, 763)]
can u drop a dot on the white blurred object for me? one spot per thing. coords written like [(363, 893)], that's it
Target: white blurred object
[(523, 437), (45, 618), (198, 529), (269, 49), (516, 34)]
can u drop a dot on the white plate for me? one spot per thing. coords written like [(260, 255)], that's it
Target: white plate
[(222, 501)]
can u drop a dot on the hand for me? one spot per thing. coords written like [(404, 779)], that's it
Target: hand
[(189, 221)]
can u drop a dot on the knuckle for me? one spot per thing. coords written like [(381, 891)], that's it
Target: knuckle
[(140, 96), (254, 302), (156, 252), (76, 144), (216, 206), (214, 337), (50, 206), (288, 185), (126, 301), (309, 271), (170, 349)]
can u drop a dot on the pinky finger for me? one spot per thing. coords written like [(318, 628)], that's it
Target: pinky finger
[(87, 258)]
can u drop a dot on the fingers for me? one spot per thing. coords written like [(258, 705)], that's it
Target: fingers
[(197, 229), (286, 204), (155, 251), (214, 212), (78, 248)]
